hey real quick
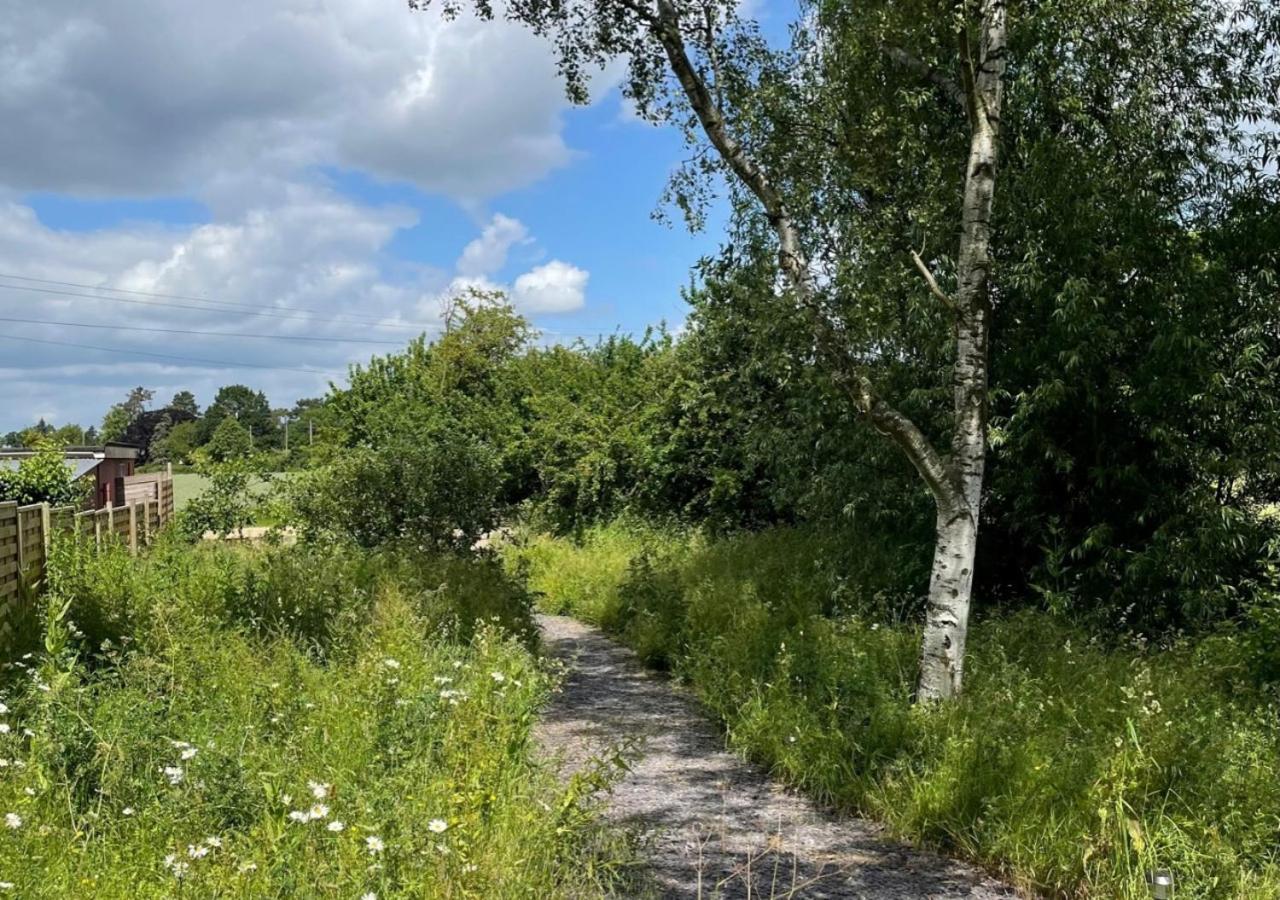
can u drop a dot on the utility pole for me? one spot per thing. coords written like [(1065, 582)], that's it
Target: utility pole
[(311, 432)]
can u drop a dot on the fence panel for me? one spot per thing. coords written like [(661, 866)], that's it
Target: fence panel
[(25, 534)]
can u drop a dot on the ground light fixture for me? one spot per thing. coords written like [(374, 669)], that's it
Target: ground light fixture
[(1160, 882)]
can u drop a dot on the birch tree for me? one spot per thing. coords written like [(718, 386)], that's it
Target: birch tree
[(696, 63)]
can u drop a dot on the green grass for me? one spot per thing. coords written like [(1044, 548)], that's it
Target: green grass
[(190, 708), (188, 485), (1070, 766)]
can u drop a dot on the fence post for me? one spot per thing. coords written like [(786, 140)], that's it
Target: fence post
[(133, 529), (46, 522)]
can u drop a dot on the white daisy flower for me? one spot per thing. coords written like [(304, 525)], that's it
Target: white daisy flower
[(335, 826), (319, 811), (437, 826), (391, 663), (174, 774), (374, 844), (127, 811), (318, 789), (13, 820), (498, 677)]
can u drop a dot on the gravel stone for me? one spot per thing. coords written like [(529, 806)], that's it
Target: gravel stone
[(712, 824)]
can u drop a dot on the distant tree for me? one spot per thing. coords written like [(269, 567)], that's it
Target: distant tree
[(247, 406), (136, 403), (185, 401), (114, 423), (91, 435), (182, 441), (158, 446), (229, 441), (141, 432)]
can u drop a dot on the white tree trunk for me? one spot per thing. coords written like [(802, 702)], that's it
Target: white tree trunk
[(950, 586)]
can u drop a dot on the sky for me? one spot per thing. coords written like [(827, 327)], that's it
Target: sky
[(315, 169)]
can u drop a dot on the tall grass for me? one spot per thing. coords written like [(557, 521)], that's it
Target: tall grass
[(1071, 766), (221, 722)]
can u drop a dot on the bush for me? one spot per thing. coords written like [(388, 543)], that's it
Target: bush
[(1071, 766)]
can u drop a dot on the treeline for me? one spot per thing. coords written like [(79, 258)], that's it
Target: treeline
[(1136, 487), (240, 422)]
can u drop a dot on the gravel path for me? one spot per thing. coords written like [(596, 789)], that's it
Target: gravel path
[(714, 825)]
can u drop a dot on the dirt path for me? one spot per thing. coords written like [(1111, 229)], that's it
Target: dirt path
[(715, 825)]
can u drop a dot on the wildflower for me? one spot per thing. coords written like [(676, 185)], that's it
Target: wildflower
[(498, 677), (197, 852), (335, 826), (29, 791), (319, 811), (127, 811), (391, 663), (299, 816), (176, 866), (174, 774), (27, 732), (370, 895), (392, 682), (374, 844), (457, 664), (319, 790), (4, 727), (437, 826), (442, 679), (6, 885), (13, 820), (286, 799), (248, 867), (3, 709), (4, 763), (213, 842)]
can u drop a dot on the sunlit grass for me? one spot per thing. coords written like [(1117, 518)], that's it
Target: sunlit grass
[(1071, 766)]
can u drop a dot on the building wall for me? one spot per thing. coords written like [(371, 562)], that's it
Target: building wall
[(108, 488)]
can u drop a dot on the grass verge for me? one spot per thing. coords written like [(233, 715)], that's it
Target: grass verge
[(223, 722), (1072, 767)]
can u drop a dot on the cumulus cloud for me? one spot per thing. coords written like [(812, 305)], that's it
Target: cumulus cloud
[(488, 253), (145, 97), (552, 288)]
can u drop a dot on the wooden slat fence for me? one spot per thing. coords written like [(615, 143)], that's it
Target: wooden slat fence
[(26, 532)]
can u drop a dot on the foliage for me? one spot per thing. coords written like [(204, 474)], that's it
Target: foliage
[(43, 477), (1072, 767), (247, 407), (228, 502), (425, 436), (228, 441), (206, 752)]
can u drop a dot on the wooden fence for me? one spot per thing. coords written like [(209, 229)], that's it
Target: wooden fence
[(27, 531)]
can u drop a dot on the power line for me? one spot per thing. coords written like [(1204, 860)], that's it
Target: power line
[(270, 337), (189, 359), (279, 312), (248, 312), (230, 303)]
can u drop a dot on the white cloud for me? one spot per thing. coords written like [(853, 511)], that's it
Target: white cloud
[(488, 253), (306, 263), (551, 288), (143, 97)]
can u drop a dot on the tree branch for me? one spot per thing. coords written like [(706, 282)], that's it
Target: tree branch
[(929, 73), (932, 282), (933, 468)]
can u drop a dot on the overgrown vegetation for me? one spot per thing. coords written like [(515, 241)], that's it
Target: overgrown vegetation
[(287, 722), (1071, 764)]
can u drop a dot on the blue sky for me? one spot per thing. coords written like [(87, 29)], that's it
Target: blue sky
[(317, 169)]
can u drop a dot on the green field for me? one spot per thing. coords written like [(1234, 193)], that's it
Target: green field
[(188, 485)]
